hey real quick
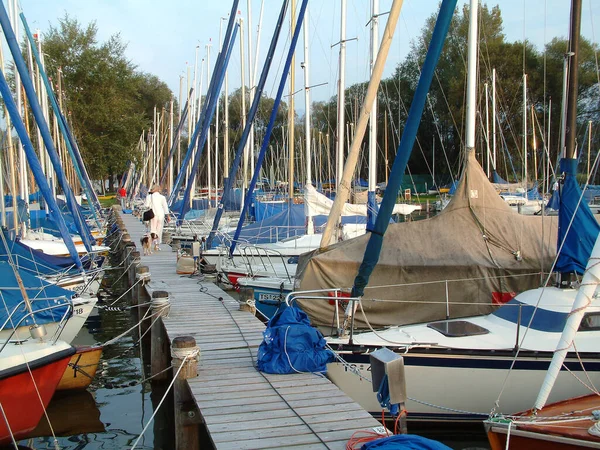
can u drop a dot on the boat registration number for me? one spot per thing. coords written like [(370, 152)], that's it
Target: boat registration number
[(268, 296)]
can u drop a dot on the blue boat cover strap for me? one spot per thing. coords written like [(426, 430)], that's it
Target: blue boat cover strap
[(383, 397), (291, 345)]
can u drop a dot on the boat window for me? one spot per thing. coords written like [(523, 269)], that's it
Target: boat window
[(543, 320), (590, 321), (457, 328)]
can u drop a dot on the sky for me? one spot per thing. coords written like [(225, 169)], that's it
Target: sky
[(163, 37)]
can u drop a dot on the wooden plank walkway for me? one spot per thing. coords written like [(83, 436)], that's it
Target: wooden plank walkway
[(242, 407)]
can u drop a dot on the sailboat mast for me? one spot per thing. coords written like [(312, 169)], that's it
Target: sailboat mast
[(226, 118), (243, 76), (373, 117), (591, 276), (251, 83), (13, 11), (494, 118), (525, 127), (472, 77), (307, 103), (573, 82), (589, 152), (341, 110), (208, 150), (171, 142), (291, 110), (309, 219), (487, 129), (343, 191)]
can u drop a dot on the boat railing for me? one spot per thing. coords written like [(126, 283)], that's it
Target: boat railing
[(338, 297), (31, 315), (254, 255)]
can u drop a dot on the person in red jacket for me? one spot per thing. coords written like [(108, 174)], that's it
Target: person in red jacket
[(122, 196)]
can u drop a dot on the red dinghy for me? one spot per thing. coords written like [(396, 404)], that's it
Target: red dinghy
[(29, 375)]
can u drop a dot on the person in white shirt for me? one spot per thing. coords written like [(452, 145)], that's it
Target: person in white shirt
[(158, 203)]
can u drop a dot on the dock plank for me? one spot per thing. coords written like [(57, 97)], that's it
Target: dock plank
[(243, 408)]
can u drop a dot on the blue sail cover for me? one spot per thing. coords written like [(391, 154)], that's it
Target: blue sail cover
[(36, 261), (264, 210), (580, 238), (286, 224), (291, 345), (405, 442), (41, 294), (498, 179)]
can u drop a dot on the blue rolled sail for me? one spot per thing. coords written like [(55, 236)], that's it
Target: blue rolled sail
[(71, 145), (188, 156), (404, 149), (42, 126), (576, 240), (36, 168), (209, 109), (246, 133)]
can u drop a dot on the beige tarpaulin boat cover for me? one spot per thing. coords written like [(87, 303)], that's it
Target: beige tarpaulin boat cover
[(476, 249)]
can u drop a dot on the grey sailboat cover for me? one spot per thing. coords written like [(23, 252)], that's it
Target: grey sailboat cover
[(477, 249)]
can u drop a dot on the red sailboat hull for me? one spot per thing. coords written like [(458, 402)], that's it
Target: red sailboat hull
[(21, 405)]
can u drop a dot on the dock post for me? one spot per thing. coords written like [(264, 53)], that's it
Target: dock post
[(187, 417), (128, 249), (142, 274), (134, 262), (159, 347), (125, 240)]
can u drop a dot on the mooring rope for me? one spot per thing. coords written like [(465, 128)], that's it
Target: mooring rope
[(139, 280), (162, 399)]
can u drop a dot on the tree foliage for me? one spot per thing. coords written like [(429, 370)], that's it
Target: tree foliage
[(443, 122), (108, 101)]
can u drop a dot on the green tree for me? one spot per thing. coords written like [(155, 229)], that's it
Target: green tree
[(108, 102)]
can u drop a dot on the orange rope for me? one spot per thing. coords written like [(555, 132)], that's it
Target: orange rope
[(397, 419), (356, 441)]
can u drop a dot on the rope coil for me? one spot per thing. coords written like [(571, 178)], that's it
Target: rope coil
[(142, 276), (185, 353)]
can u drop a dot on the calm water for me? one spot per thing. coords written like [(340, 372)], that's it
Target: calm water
[(112, 413)]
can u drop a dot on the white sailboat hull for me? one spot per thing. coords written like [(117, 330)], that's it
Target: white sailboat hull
[(82, 308), (464, 387)]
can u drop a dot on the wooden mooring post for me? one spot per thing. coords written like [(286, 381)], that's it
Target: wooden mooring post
[(134, 261), (159, 347), (187, 416)]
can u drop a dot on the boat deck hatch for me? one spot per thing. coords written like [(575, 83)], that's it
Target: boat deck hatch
[(457, 328)]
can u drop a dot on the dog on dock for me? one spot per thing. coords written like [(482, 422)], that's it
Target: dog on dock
[(146, 242), (155, 245)]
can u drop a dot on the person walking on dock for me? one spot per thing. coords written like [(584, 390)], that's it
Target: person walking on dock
[(122, 196), (158, 203)]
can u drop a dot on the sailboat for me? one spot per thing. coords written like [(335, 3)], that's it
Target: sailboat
[(477, 253), (447, 361)]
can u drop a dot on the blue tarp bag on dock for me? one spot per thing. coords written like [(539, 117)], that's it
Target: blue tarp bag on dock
[(291, 345), (405, 442)]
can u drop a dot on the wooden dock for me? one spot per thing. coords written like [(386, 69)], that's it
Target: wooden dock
[(241, 407)]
